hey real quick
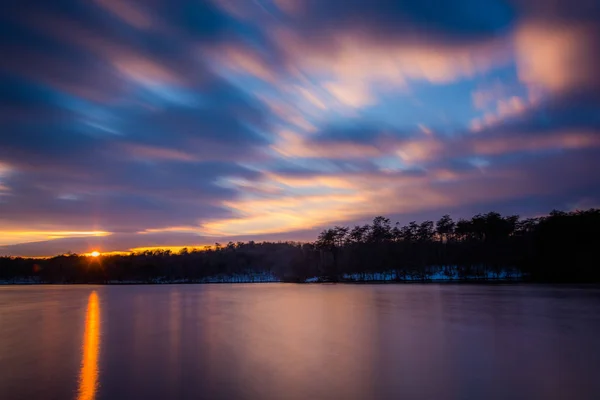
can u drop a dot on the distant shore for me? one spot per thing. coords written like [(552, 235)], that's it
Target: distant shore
[(313, 281), (560, 247)]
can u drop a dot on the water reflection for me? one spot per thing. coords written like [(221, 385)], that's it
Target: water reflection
[(296, 342), (88, 375)]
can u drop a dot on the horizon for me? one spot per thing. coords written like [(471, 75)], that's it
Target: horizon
[(97, 251), (171, 125)]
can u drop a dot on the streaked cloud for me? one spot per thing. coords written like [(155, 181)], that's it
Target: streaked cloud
[(129, 12), (9, 237), (138, 124)]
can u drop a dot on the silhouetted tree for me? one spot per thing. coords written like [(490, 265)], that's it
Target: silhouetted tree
[(444, 227), (559, 247)]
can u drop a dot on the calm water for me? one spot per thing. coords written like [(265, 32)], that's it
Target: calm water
[(279, 341)]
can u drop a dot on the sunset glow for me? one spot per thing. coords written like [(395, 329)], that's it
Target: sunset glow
[(146, 128), (94, 253)]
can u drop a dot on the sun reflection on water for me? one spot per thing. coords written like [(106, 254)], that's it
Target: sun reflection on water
[(88, 375)]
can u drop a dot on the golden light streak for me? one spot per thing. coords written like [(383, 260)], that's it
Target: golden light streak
[(173, 249), (13, 236), (88, 375), (105, 253), (95, 253), (170, 229)]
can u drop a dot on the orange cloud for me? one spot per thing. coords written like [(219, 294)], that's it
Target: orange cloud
[(341, 197), (284, 214), (356, 63), (353, 95), (364, 195), (410, 151), (554, 56), (328, 181), (142, 69), (170, 229), (417, 150)]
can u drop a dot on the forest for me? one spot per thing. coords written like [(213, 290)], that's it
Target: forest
[(561, 247)]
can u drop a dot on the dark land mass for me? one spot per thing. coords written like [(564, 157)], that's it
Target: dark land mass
[(562, 247)]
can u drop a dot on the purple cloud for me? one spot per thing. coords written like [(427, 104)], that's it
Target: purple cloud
[(195, 121)]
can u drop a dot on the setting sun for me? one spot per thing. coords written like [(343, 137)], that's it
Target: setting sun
[(95, 253)]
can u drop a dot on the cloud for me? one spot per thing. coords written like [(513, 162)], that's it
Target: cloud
[(521, 154), (359, 196), (73, 47), (558, 140), (327, 145), (557, 45), (489, 94), (356, 95), (557, 58), (364, 47), (344, 54), (27, 236), (242, 58), (358, 66), (131, 13), (383, 18), (506, 108), (193, 120), (112, 131)]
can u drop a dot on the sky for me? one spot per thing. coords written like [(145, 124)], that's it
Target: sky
[(157, 123)]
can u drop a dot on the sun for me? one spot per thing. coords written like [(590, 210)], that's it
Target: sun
[(95, 253)]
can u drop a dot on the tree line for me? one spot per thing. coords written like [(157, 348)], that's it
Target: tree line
[(558, 247)]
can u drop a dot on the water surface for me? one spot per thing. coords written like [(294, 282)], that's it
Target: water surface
[(283, 341)]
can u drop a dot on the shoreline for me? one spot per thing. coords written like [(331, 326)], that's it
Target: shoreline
[(348, 282)]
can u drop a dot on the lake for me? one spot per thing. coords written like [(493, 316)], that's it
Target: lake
[(285, 341)]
